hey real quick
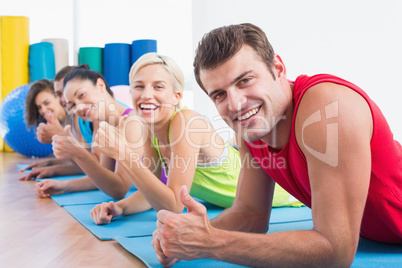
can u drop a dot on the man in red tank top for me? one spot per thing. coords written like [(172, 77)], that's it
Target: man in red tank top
[(321, 138)]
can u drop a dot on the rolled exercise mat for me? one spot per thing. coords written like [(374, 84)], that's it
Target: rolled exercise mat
[(93, 56), (141, 47), (14, 44), (60, 49), (41, 61), (116, 63)]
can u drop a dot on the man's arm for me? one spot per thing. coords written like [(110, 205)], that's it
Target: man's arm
[(339, 177), (253, 202), (339, 191)]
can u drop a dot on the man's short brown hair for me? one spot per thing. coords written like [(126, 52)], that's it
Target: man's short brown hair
[(219, 45)]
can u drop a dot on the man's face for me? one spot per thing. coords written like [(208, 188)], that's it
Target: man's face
[(58, 90), (246, 95)]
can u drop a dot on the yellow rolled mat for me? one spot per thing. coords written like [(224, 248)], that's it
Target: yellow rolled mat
[(14, 44)]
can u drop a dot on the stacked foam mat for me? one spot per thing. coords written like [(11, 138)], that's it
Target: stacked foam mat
[(134, 232), (115, 59)]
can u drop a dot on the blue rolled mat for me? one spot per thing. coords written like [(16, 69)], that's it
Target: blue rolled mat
[(41, 61), (141, 47), (86, 197), (116, 63)]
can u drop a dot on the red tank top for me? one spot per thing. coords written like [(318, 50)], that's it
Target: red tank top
[(382, 218)]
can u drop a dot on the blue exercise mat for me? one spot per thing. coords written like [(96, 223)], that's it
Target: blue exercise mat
[(278, 215), (141, 247), (21, 166), (141, 224), (376, 254), (86, 197), (59, 178), (369, 253)]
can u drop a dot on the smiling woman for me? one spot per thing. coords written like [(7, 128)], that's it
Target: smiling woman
[(180, 140), (88, 95), (41, 100)]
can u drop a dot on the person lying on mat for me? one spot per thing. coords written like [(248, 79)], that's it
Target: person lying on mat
[(90, 97), (181, 140), (321, 138), (46, 126)]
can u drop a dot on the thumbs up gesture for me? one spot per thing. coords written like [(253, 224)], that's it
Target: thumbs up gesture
[(111, 140), (185, 236), (45, 132), (66, 146)]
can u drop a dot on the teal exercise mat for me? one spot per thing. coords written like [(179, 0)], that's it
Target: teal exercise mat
[(59, 178), (141, 247), (278, 215), (376, 254), (21, 166), (141, 224), (86, 197), (369, 253)]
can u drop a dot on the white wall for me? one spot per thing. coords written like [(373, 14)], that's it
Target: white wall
[(98, 22), (357, 40)]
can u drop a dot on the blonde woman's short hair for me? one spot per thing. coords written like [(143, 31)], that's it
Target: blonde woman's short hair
[(169, 64)]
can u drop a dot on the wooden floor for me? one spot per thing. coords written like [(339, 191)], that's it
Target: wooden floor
[(36, 232)]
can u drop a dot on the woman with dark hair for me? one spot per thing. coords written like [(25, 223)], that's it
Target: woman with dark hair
[(88, 96), (40, 102), (48, 118)]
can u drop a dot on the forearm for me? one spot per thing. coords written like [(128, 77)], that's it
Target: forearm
[(79, 185), (241, 219), (68, 169), (104, 179), (133, 204), (158, 195), (283, 249)]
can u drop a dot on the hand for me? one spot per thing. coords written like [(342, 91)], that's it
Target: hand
[(45, 132), (105, 212), (39, 173), (67, 146), (49, 187), (36, 164), (182, 236), (162, 258), (110, 140)]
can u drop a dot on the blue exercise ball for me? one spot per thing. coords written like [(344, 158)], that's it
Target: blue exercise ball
[(13, 129)]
